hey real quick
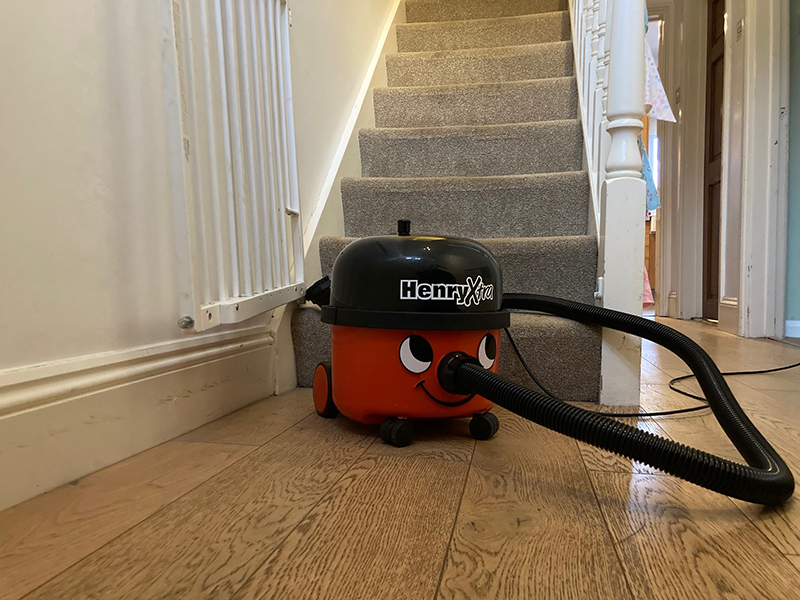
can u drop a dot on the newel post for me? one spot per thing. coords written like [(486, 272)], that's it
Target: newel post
[(623, 199)]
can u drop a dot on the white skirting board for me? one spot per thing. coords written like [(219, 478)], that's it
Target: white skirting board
[(137, 405), (793, 329)]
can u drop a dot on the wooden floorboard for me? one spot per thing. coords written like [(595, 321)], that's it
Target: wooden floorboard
[(209, 542), (678, 541), (529, 525), (258, 423), (42, 537), (443, 440), (382, 532), (274, 502)]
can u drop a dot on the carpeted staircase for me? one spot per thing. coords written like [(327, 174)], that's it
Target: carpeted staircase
[(478, 136)]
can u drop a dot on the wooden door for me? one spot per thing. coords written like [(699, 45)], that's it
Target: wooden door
[(715, 75)]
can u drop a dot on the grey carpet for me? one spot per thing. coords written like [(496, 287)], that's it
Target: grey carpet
[(484, 33), (564, 356), (477, 104), (550, 204), (472, 151), (477, 136), (484, 65), (452, 10)]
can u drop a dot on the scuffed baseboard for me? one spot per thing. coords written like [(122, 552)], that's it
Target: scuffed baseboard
[(57, 429)]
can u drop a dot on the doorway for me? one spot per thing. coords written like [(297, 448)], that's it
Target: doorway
[(712, 203), (651, 138)]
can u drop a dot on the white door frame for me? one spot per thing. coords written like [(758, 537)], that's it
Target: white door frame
[(765, 181)]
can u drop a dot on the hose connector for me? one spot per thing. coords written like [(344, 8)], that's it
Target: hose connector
[(448, 366)]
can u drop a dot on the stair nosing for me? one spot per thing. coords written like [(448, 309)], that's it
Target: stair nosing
[(476, 86), (466, 128), (549, 13), (476, 183), (474, 51), (476, 177)]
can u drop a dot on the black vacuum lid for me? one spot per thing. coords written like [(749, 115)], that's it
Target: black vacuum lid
[(409, 281)]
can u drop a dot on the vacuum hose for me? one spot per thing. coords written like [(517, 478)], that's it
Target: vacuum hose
[(767, 480)]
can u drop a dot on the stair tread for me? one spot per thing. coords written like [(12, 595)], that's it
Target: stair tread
[(484, 33), (449, 10), (472, 150), (542, 205), (495, 103), (498, 86), (496, 51), (462, 183), (489, 20), (492, 131), (480, 65)]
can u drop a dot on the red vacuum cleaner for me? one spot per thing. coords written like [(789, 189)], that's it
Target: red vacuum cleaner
[(415, 331)]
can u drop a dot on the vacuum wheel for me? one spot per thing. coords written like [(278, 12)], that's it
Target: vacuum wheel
[(323, 391), (397, 432), (483, 426)]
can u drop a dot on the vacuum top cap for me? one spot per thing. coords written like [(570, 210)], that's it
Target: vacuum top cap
[(409, 281)]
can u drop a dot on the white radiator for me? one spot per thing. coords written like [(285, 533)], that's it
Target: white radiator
[(232, 158)]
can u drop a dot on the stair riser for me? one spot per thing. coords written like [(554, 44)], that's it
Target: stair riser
[(491, 33), (527, 102), (561, 267), (454, 10), (554, 205), (510, 150), (519, 64)]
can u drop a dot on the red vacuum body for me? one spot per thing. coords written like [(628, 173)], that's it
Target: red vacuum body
[(397, 306)]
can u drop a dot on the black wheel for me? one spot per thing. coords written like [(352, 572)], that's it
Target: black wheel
[(397, 432), (323, 391), (483, 426)]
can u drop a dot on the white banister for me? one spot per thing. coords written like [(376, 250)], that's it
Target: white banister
[(609, 43)]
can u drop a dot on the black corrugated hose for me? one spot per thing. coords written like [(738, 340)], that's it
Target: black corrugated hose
[(767, 480)]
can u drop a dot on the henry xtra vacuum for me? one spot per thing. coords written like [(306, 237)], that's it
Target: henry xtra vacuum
[(415, 331)]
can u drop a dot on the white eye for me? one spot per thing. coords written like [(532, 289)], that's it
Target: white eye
[(416, 354), (487, 351)]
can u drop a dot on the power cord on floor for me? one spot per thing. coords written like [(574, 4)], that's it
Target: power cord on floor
[(672, 386)]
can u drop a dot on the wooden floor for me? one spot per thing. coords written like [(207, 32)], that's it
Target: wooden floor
[(274, 502)]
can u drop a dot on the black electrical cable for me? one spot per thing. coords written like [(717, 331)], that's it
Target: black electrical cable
[(672, 386), (766, 479), (525, 364)]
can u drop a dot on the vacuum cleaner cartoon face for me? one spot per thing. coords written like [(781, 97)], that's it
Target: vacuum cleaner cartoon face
[(417, 356)]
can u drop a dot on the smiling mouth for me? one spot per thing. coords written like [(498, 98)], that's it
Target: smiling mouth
[(435, 399)]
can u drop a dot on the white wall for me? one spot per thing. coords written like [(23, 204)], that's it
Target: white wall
[(88, 293), (332, 45)]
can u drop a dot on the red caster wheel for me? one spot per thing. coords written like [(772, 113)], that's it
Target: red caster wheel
[(323, 391)]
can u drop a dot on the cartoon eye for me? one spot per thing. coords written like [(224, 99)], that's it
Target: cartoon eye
[(416, 354), (487, 351)]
